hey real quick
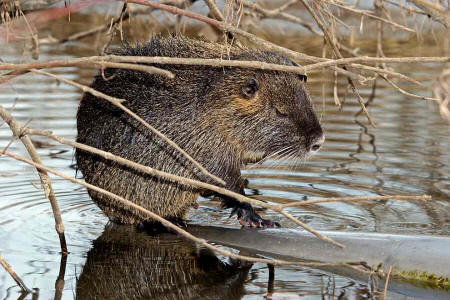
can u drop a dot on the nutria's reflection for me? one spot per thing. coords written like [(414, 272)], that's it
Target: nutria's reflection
[(126, 263)]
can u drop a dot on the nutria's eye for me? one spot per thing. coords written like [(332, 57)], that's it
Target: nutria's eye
[(303, 78), (280, 113), (250, 88)]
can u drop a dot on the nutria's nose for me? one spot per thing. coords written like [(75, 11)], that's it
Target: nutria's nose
[(315, 146)]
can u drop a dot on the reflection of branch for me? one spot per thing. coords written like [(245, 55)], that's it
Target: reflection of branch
[(59, 284), (45, 180), (14, 275)]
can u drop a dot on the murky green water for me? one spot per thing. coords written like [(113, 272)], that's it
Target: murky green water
[(408, 153)]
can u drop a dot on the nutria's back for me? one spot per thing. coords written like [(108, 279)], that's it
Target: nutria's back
[(220, 116)]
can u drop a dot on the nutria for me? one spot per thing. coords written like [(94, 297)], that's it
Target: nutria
[(220, 116)]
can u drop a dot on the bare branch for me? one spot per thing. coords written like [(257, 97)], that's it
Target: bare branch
[(330, 40), (117, 102), (367, 14), (435, 11), (16, 129), (252, 38), (356, 199), (117, 61), (175, 178), (14, 275), (166, 223), (280, 14), (367, 59)]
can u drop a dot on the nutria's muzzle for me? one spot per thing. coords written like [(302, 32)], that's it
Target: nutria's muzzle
[(317, 143)]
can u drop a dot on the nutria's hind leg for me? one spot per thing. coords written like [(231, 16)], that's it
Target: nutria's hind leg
[(245, 212)]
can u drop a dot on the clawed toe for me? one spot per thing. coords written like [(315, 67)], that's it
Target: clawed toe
[(249, 218)]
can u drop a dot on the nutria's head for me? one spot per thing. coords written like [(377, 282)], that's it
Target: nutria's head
[(266, 112)]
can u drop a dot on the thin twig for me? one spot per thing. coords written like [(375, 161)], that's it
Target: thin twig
[(148, 69), (435, 11), (367, 59), (14, 275), (85, 62), (252, 38), (409, 9), (192, 182), (117, 102), (386, 283), (365, 13), (179, 179), (98, 29), (168, 224), (405, 92), (387, 72), (356, 199), (336, 51), (215, 12), (110, 60), (16, 129), (280, 14), (275, 48)]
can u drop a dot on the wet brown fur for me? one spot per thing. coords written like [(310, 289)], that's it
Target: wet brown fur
[(204, 110)]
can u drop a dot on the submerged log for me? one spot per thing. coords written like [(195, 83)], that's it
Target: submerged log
[(418, 261)]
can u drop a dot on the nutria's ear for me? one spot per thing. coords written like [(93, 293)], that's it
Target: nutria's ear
[(250, 88)]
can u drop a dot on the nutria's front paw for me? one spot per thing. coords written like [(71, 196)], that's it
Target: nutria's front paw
[(249, 218)]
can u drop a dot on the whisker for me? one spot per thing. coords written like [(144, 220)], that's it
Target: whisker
[(260, 162), (285, 157)]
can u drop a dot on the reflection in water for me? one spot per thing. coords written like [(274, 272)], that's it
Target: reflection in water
[(126, 264)]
